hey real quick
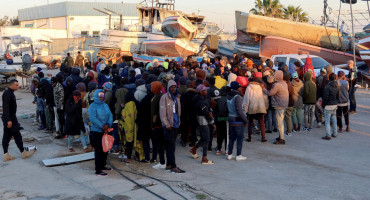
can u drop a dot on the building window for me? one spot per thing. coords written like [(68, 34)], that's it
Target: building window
[(84, 33), (96, 33)]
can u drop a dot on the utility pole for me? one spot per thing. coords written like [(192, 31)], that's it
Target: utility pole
[(353, 36)]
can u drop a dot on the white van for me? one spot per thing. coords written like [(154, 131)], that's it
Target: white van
[(317, 62)]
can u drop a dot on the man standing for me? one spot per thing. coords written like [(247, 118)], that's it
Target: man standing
[(279, 100), (68, 61), (79, 59), (101, 66), (352, 79), (10, 123), (330, 105), (170, 113)]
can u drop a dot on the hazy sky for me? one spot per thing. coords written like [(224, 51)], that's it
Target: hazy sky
[(220, 11)]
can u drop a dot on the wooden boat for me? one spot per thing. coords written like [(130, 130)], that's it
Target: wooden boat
[(251, 51), (178, 27), (316, 35), (160, 45), (273, 45), (243, 38), (364, 49), (160, 59)]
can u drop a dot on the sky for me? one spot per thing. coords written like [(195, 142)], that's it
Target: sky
[(221, 12)]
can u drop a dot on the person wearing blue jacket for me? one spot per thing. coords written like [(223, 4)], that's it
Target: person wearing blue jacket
[(101, 119)]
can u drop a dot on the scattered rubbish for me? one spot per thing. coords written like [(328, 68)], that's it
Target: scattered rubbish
[(68, 160), (27, 116), (30, 147)]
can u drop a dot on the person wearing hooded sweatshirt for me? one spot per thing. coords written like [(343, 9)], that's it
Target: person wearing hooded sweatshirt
[(205, 119), (289, 110), (292, 68), (254, 106), (58, 93), (170, 114), (188, 116), (318, 110), (330, 104), (108, 93), (141, 90), (343, 102), (101, 119), (75, 75), (298, 102), (120, 104), (309, 100), (219, 82), (89, 77), (306, 67), (279, 100)]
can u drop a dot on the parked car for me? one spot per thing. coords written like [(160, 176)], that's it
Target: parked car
[(317, 62)]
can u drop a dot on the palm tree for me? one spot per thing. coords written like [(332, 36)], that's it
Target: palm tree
[(295, 14), (270, 8)]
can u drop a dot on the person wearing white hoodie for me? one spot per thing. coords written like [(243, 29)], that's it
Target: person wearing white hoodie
[(141, 90)]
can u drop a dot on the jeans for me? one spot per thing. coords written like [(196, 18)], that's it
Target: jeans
[(342, 111), (236, 133), (42, 118), (330, 115), (279, 114), (221, 127), (170, 137), (270, 120), (261, 121), (159, 145), (309, 112), (352, 98), (204, 138), (288, 118), (297, 115), (100, 155), (83, 139)]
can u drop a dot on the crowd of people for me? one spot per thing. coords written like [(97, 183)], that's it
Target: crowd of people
[(148, 104)]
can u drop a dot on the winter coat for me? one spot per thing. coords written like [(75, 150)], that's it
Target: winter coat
[(343, 86), (99, 114), (183, 89), (74, 122), (220, 82), (243, 81), (69, 88), (108, 97), (255, 101), (235, 107), (101, 80), (79, 60), (120, 96), (144, 118), (140, 92), (203, 109), (331, 94), (155, 120), (166, 107), (297, 93), (279, 92), (306, 67), (59, 96), (309, 92), (75, 75), (187, 106), (68, 61)]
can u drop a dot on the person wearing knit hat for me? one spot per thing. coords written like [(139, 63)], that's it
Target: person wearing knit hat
[(205, 120), (234, 85), (81, 87)]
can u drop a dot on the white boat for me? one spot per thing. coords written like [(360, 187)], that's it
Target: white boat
[(178, 27), (147, 58), (251, 51)]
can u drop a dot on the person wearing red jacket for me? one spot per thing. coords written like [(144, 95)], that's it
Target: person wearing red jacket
[(306, 67)]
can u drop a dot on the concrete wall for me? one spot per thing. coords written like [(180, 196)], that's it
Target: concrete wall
[(33, 33)]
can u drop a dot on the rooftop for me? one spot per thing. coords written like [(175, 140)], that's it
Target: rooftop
[(75, 9)]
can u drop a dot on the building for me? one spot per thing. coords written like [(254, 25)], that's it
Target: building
[(78, 18)]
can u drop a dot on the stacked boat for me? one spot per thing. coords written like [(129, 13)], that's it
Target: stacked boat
[(280, 36)]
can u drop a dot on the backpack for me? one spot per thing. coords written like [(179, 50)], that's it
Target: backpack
[(221, 107)]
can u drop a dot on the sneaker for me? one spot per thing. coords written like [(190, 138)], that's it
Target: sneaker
[(168, 168), (153, 161), (107, 169), (309, 129), (294, 131), (229, 157), (159, 166), (256, 128), (27, 154), (8, 157), (326, 138), (334, 136), (288, 134), (268, 131), (177, 171), (240, 158), (280, 142), (58, 137), (101, 174), (41, 128), (218, 152), (304, 129)]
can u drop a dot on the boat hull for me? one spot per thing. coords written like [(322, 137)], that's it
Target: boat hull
[(272, 45), (178, 27), (170, 47), (251, 51), (161, 59), (364, 49), (316, 35)]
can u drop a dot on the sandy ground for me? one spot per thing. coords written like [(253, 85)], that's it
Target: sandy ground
[(307, 167)]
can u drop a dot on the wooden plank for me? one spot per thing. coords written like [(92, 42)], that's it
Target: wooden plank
[(68, 159)]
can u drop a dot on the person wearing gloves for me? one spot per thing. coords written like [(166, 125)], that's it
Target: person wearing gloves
[(205, 118), (101, 119)]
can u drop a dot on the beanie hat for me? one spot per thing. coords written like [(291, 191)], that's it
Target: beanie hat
[(81, 87), (201, 87), (294, 75), (234, 85), (156, 87), (258, 75), (139, 82), (108, 86)]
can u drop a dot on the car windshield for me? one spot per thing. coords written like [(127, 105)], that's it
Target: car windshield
[(317, 62)]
